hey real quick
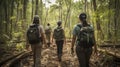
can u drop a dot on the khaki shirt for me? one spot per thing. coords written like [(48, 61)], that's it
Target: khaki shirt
[(41, 30)]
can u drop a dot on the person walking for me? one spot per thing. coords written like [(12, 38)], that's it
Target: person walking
[(48, 31), (35, 38), (59, 37), (83, 35)]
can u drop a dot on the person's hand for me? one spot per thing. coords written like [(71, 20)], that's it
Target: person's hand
[(72, 50)]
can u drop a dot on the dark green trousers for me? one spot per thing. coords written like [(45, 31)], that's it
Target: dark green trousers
[(83, 55)]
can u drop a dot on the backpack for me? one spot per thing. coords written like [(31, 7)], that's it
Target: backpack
[(58, 33), (48, 31), (86, 36), (33, 34)]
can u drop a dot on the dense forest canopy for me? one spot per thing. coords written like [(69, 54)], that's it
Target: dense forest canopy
[(17, 15)]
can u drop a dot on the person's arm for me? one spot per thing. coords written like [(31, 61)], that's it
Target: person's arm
[(73, 39), (43, 35), (73, 43)]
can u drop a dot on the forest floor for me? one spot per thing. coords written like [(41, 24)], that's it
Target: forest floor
[(49, 58), (7, 52)]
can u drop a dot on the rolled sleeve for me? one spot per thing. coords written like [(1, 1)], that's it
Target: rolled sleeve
[(75, 31), (42, 30)]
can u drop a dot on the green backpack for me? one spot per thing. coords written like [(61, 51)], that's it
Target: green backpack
[(58, 33), (86, 36)]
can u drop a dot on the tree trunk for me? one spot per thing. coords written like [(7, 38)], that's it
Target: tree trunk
[(109, 21), (20, 11), (70, 25), (99, 30), (68, 12), (24, 9), (46, 17), (116, 18), (1, 22), (94, 5), (17, 15), (32, 10), (41, 12), (12, 9), (60, 10), (36, 8), (6, 17), (85, 9)]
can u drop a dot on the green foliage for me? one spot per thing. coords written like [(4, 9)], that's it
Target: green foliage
[(14, 24), (4, 38), (20, 46)]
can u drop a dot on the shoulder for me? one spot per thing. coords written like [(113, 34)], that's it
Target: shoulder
[(55, 28), (40, 26), (90, 25), (62, 28), (76, 29), (77, 26)]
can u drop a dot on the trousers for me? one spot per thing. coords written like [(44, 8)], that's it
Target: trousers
[(59, 48), (36, 49), (83, 55)]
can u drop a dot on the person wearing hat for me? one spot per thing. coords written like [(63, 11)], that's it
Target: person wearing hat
[(59, 36), (83, 36), (35, 38)]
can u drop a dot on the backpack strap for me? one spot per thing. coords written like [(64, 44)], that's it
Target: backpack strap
[(59, 27), (80, 26)]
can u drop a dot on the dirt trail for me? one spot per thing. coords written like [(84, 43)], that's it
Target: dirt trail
[(49, 58)]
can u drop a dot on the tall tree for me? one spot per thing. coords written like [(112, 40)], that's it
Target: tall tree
[(24, 13), (41, 11), (85, 9), (68, 4), (6, 16), (37, 9), (116, 18), (32, 9), (11, 20), (99, 31), (24, 9), (60, 9)]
